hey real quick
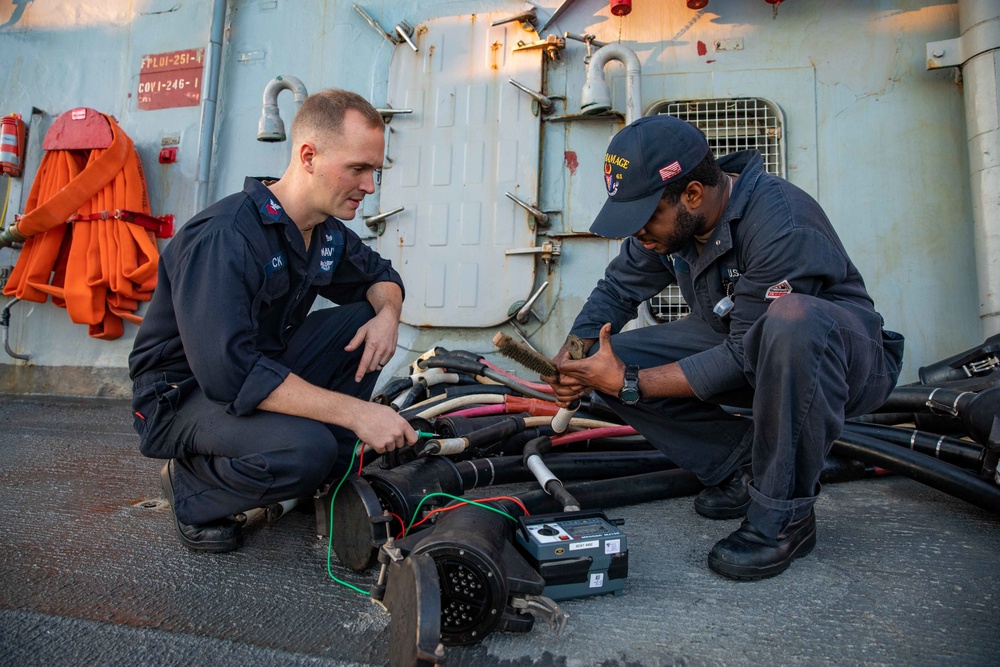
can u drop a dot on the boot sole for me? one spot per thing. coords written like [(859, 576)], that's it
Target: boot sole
[(201, 546), (750, 573)]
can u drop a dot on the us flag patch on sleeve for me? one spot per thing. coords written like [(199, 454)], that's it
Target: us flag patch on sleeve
[(775, 291)]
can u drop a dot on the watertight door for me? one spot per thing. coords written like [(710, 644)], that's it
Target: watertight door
[(472, 137)]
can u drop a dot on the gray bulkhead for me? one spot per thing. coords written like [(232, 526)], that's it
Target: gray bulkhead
[(878, 138)]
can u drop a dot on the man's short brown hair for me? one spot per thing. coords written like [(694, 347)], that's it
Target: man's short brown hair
[(324, 112)]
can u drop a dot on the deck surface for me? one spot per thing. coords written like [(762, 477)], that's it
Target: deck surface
[(93, 575)]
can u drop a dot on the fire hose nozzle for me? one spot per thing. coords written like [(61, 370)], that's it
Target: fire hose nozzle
[(10, 236)]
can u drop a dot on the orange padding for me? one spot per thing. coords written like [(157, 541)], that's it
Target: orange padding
[(532, 406), (98, 270)]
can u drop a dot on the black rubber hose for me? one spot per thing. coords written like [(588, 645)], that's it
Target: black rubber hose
[(415, 394), (536, 447), (593, 405), (634, 443), (982, 418), (515, 443), (453, 363), (838, 469), (978, 411), (532, 458), (476, 368), (621, 443), (496, 432), (465, 354), (924, 421), (414, 410), (952, 450), (618, 492), (458, 427), (915, 399), (393, 389), (455, 391), (977, 383), (924, 469), (464, 379), (567, 466), (959, 366), (478, 388), (563, 498)]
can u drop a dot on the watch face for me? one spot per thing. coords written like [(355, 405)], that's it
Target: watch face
[(629, 396)]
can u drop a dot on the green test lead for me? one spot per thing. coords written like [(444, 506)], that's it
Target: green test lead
[(425, 434)]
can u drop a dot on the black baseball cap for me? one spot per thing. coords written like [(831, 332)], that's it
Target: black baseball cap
[(641, 160)]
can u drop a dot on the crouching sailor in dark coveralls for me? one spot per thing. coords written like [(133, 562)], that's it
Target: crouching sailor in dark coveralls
[(780, 321), (253, 398)]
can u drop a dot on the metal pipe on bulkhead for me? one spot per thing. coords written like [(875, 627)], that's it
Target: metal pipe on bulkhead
[(596, 95), (206, 134), (271, 127), (979, 22)]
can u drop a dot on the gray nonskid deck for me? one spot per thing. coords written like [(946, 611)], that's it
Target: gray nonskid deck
[(902, 575)]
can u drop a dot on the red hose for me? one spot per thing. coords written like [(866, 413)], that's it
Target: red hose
[(537, 386), (590, 434)]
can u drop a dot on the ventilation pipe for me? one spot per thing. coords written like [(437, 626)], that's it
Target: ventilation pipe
[(977, 53), (271, 127), (596, 97), (209, 96)]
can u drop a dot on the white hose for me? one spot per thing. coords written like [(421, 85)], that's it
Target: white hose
[(449, 446), (461, 401), (575, 424), (439, 378), (540, 471), (427, 378), (561, 421)]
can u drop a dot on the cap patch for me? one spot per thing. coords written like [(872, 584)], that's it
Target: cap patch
[(610, 180), (271, 209), (670, 170), (779, 290)]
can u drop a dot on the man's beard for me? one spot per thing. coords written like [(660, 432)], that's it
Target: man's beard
[(685, 227)]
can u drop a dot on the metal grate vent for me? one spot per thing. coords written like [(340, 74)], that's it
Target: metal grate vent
[(730, 125)]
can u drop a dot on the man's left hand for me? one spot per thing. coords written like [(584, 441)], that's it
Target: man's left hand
[(603, 371), (379, 338)]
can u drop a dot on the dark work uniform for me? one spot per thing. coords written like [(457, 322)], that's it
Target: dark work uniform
[(802, 343), (228, 322)]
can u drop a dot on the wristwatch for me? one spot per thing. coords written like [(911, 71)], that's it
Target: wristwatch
[(629, 393)]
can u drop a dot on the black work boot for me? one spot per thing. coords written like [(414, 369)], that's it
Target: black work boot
[(729, 500), (218, 537), (749, 554)]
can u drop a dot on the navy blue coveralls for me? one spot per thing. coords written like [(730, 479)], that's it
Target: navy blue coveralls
[(228, 322), (803, 344)]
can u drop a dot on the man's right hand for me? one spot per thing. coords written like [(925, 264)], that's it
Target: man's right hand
[(382, 428), (566, 389)]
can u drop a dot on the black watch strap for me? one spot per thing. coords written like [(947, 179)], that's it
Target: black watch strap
[(629, 393)]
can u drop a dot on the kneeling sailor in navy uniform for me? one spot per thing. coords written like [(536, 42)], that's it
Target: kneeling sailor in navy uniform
[(254, 399), (780, 321)]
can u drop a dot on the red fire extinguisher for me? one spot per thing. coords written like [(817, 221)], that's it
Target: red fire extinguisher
[(11, 145)]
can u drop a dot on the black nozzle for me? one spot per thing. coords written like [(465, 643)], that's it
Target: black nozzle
[(368, 508), (964, 365), (982, 418), (479, 569)]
